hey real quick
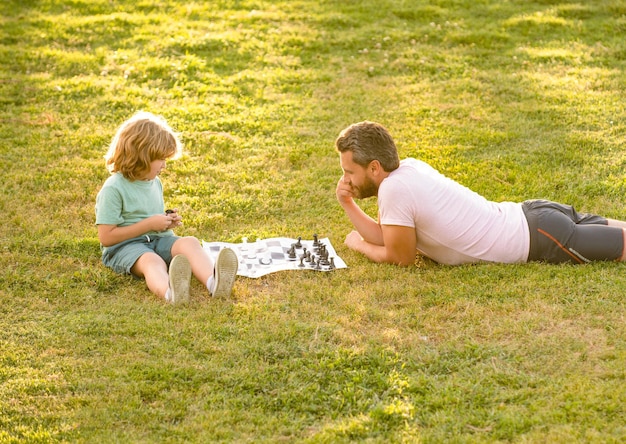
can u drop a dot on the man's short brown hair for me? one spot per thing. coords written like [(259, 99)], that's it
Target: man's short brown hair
[(369, 141)]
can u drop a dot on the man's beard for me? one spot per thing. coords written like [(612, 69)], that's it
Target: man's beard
[(368, 189)]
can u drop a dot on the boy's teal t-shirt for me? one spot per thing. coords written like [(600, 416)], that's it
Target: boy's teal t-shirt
[(123, 202)]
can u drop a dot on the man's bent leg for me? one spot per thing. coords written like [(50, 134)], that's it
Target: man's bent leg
[(598, 243), (620, 224), (616, 223)]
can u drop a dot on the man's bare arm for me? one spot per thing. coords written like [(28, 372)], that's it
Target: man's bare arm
[(399, 245), (368, 228)]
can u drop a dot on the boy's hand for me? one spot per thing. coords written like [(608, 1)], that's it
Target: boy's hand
[(175, 219), (160, 222)]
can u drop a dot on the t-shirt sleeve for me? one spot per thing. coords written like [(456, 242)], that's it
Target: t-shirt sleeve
[(394, 204), (109, 207)]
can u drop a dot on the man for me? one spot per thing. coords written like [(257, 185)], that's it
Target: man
[(420, 210)]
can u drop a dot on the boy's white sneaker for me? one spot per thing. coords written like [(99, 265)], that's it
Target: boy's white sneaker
[(224, 273), (180, 277)]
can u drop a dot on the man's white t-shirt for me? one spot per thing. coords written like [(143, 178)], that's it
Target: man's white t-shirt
[(454, 225)]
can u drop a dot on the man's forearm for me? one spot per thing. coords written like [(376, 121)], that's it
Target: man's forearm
[(376, 253), (367, 227)]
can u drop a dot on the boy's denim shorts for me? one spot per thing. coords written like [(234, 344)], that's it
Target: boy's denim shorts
[(121, 257)]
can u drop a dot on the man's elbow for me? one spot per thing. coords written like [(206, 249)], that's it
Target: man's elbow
[(404, 262), (400, 260)]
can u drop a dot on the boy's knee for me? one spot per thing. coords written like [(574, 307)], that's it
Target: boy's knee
[(188, 242), (192, 240), (147, 262)]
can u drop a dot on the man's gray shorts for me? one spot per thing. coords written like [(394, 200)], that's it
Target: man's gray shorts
[(559, 234), (121, 257)]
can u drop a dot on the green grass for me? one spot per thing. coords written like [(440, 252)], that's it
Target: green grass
[(516, 99)]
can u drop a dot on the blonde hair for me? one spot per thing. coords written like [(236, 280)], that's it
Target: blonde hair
[(140, 140)]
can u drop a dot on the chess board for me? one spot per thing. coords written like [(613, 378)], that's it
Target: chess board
[(266, 256)]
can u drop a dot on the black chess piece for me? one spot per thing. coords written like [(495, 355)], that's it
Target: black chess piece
[(316, 241), (332, 266), (317, 248), (299, 243), (301, 264), (292, 252)]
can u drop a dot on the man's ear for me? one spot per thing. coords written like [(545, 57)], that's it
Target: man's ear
[(375, 167)]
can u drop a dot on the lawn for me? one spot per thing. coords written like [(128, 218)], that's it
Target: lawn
[(516, 99)]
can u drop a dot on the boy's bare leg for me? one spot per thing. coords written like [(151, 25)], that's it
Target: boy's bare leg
[(153, 269), (200, 261)]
